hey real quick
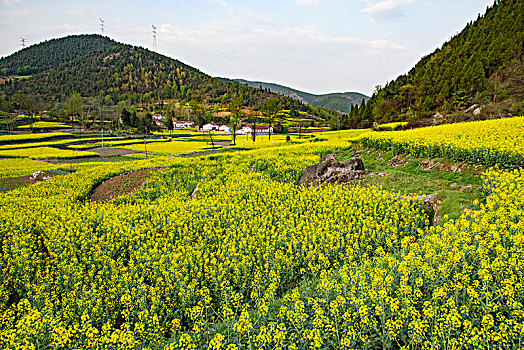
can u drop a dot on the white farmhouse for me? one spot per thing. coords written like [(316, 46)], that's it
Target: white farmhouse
[(182, 124), (159, 123), (210, 127), (225, 128), (260, 129)]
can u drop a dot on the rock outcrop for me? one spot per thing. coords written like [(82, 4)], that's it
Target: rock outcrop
[(331, 171)]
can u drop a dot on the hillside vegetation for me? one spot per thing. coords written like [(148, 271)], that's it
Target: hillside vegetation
[(479, 73), (114, 72), (51, 53)]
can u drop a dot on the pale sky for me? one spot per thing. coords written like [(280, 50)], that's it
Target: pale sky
[(317, 46)]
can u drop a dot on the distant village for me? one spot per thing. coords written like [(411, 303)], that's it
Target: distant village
[(213, 127)]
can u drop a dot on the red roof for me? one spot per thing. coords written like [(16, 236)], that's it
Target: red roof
[(258, 127)]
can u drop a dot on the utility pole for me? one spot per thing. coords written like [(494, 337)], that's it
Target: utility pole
[(154, 37), (101, 25), (22, 40)]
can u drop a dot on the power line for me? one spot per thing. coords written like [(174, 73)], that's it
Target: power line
[(154, 37), (102, 25)]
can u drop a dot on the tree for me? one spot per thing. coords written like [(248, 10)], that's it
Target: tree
[(30, 104), (107, 100), (134, 120), (235, 107), (197, 112), (365, 114), (254, 121), (269, 110), (168, 123), (74, 106), (9, 120), (120, 107), (146, 123), (126, 117)]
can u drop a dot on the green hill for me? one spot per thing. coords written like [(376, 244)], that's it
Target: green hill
[(103, 68), (45, 55), (340, 101), (479, 73)]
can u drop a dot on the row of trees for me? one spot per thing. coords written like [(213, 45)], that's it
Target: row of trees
[(269, 108), (86, 111), (90, 111), (360, 116)]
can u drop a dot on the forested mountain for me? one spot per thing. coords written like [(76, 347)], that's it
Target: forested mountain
[(339, 101), (121, 72), (40, 57), (480, 69)]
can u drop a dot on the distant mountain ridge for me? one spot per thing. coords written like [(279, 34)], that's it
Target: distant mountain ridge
[(338, 101)]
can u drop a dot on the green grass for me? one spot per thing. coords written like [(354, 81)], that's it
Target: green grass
[(411, 179), (10, 184)]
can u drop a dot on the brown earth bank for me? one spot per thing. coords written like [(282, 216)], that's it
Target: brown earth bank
[(112, 152), (11, 183), (122, 184)]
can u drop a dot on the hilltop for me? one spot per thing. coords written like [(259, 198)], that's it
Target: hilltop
[(51, 53), (338, 101), (103, 69), (477, 74)]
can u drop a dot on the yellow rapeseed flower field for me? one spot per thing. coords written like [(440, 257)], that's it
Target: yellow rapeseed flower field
[(58, 143), (45, 153), (39, 136), (491, 142), (171, 147), (253, 261), (45, 125), (112, 141), (11, 167)]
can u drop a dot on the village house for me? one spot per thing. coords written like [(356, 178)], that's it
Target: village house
[(260, 130), (159, 123), (225, 128), (182, 124), (210, 127)]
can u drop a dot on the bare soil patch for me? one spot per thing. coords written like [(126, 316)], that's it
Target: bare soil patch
[(397, 161), (112, 152), (11, 183), (122, 184)]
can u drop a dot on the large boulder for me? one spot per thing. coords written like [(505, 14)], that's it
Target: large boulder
[(331, 171)]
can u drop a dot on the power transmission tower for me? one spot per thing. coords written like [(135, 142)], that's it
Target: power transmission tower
[(102, 25), (22, 40), (154, 37)]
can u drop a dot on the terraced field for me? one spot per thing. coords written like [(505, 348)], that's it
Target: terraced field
[(225, 251)]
